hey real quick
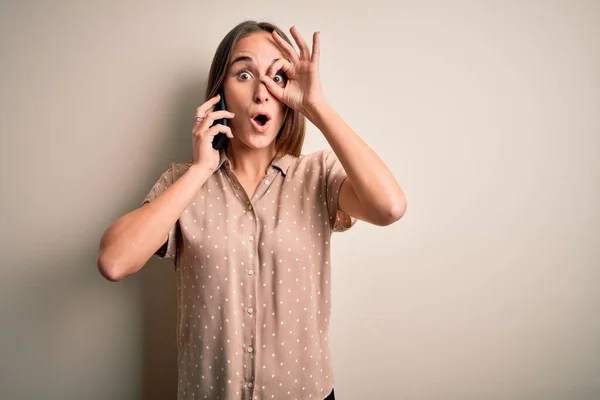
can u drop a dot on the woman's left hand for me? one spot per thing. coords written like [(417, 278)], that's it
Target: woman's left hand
[(302, 91)]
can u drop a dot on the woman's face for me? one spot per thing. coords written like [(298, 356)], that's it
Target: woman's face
[(258, 114)]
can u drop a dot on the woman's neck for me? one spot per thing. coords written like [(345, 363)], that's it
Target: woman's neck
[(251, 163)]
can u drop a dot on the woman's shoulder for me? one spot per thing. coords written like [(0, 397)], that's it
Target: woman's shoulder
[(318, 161), (318, 154), (316, 158), (173, 171)]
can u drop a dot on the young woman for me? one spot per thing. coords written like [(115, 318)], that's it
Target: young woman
[(248, 227)]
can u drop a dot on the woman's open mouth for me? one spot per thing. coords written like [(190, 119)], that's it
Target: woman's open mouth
[(261, 121)]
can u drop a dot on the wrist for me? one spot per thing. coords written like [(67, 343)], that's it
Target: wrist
[(317, 112), (200, 172)]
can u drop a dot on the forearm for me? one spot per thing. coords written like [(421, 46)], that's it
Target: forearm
[(129, 242), (373, 182)]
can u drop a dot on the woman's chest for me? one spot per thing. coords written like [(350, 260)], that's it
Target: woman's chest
[(279, 225)]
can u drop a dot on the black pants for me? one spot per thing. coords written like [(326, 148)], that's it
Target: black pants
[(331, 396)]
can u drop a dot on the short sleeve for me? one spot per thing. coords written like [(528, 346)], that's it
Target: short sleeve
[(335, 175), (169, 249)]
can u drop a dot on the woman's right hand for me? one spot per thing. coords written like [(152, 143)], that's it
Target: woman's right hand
[(205, 156)]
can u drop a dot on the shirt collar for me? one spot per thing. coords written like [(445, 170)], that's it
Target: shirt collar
[(282, 163)]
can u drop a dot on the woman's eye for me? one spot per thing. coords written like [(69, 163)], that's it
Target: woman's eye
[(243, 75), (279, 78)]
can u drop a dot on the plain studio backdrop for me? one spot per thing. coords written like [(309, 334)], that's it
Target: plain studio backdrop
[(488, 113)]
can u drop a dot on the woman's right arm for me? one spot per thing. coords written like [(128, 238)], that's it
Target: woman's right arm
[(132, 239)]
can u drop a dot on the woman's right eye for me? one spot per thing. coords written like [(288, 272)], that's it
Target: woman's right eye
[(243, 75)]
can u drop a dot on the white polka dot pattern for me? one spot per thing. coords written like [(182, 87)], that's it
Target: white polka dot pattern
[(253, 280)]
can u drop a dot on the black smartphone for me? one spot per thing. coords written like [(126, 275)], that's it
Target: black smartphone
[(220, 140)]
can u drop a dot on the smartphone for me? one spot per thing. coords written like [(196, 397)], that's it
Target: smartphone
[(220, 140)]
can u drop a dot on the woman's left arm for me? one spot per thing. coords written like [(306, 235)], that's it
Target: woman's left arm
[(370, 193)]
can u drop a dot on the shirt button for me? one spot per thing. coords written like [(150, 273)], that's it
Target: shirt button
[(250, 384), (250, 272), (249, 206), (267, 181), (250, 310), (250, 349), (251, 238)]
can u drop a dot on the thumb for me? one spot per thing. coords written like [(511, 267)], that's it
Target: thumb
[(273, 87)]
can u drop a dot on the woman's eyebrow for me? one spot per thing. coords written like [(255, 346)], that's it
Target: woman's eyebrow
[(242, 59)]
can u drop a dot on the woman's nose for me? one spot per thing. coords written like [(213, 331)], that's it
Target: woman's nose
[(261, 93)]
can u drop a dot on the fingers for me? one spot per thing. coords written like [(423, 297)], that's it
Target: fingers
[(206, 116), (281, 64), (273, 87), (304, 51), (286, 47), (206, 107), (205, 123), (316, 50), (277, 88), (213, 131), (215, 115)]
